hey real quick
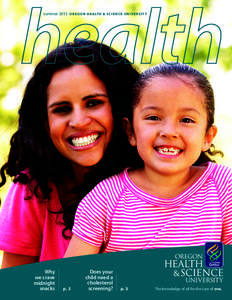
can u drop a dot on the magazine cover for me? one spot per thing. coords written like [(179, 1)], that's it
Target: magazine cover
[(115, 160)]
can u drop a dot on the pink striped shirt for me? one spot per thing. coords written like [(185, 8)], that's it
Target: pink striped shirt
[(119, 216)]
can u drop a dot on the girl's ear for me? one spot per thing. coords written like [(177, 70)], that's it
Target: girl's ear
[(209, 137), (126, 124)]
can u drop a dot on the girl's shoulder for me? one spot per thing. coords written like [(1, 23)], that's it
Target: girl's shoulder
[(115, 182), (220, 169), (221, 174), (109, 188)]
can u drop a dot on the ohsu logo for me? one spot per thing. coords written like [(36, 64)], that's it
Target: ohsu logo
[(214, 252), (214, 255)]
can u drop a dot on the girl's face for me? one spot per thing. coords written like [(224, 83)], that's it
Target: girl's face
[(170, 123), (80, 121)]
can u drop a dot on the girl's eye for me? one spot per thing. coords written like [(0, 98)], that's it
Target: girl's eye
[(153, 118), (62, 109), (93, 102), (187, 120)]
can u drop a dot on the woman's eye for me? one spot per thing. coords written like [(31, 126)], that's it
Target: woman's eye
[(93, 103), (62, 109), (153, 118), (187, 120)]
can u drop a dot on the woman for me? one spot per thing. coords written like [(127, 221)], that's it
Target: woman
[(69, 138)]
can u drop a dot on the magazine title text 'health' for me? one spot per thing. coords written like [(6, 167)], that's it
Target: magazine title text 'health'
[(130, 32)]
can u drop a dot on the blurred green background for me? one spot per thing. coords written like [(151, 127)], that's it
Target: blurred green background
[(14, 18)]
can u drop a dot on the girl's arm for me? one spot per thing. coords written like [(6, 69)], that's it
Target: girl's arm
[(78, 247), (13, 260)]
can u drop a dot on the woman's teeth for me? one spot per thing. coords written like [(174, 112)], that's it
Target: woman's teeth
[(85, 140), (168, 151)]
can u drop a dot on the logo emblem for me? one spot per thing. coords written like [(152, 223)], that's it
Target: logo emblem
[(214, 255)]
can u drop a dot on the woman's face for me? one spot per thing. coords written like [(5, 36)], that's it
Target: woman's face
[(80, 121)]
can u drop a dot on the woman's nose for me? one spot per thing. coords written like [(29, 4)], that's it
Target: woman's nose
[(79, 118), (169, 129)]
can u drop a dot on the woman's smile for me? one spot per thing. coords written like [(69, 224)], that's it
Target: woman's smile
[(86, 140)]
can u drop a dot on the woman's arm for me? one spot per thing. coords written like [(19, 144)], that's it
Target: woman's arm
[(21, 224), (78, 247), (13, 260)]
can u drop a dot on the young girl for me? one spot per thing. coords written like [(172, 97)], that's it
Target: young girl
[(173, 199), (69, 138)]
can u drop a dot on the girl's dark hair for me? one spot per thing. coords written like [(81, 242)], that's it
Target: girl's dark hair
[(198, 80), (33, 159)]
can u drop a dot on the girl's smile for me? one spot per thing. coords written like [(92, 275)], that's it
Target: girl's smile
[(170, 126), (168, 151), (80, 120)]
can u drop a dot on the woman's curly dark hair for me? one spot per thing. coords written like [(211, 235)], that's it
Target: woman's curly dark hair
[(31, 148), (198, 80)]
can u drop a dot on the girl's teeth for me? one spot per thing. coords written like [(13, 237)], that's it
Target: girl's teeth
[(84, 141), (168, 151)]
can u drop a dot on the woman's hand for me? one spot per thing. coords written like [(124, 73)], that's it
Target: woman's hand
[(13, 260)]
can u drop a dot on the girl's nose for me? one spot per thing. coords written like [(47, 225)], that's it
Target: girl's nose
[(79, 119), (169, 130)]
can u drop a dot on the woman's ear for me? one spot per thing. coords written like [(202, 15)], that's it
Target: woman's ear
[(209, 137), (126, 124)]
